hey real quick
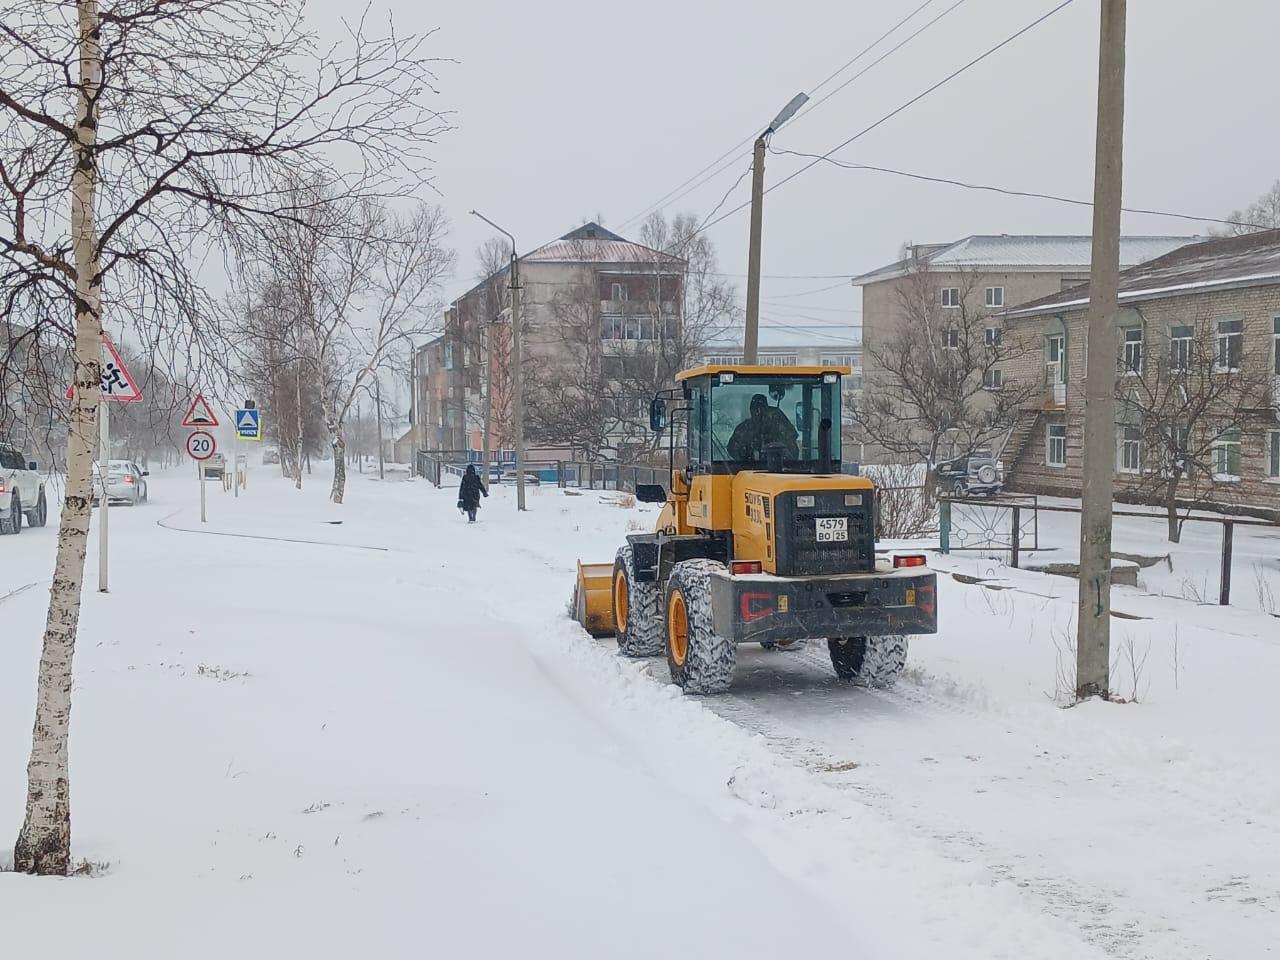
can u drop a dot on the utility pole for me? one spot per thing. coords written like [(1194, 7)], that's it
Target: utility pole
[(1093, 641), (517, 370), (377, 399), (751, 335), (486, 332)]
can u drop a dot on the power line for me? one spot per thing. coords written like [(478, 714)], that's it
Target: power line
[(805, 293), (1007, 191), (671, 196), (899, 109)]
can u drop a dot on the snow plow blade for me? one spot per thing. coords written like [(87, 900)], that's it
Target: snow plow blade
[(593, 600)]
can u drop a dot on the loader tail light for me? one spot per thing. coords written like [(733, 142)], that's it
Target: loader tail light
[(745, 566), (909, 560), (128, 480), (926, 600)]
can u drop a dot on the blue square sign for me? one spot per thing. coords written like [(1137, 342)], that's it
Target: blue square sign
[(249, 424)]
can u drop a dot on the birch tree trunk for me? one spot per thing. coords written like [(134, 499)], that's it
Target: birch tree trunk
[(44, 842), (297, 460), (339, 461)]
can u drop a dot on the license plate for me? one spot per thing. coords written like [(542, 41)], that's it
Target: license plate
[(832, 529)]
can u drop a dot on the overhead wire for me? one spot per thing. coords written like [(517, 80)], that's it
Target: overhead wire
[(675, 194), (901, 107)]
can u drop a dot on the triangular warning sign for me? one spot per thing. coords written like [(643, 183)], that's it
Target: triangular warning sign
[(199, 414), (117, 382), (248, 420)]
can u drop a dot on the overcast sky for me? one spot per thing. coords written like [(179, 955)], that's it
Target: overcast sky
[(566, 110)]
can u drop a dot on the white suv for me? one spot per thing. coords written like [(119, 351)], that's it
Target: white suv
[(21, 492)]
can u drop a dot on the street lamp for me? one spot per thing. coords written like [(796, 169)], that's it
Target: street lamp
[(752, 337), (517, 372)]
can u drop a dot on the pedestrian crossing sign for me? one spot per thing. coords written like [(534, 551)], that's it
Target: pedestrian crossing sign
[(249, 424)]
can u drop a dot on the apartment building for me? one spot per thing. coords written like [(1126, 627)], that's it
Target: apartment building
[(1197, 348)]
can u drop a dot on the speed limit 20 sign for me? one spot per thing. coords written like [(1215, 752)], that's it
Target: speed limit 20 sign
[(201, 445)]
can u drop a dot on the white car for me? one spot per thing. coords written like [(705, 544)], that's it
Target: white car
[(126, 482), (21, 492)]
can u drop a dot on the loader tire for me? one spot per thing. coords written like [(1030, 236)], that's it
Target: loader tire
[(637, 609), (700, 661), (869, 661)]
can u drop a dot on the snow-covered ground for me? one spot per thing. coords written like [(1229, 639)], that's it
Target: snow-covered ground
[(372, 731)]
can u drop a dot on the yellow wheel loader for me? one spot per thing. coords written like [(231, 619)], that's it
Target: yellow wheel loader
[(762, 538)]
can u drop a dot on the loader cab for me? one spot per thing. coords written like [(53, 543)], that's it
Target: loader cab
[(772, 419)]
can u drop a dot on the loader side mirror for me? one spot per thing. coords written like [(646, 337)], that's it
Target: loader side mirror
[(657, 415), (651, 493)]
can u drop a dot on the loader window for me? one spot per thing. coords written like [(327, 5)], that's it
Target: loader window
[(755, 416)]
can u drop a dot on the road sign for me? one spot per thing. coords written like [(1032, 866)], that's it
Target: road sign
[(249, 424), (201, 445), (117, 383), (199, 414)]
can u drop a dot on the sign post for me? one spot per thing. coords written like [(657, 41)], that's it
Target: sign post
[(200, 447), (200, 443), (117, 386)]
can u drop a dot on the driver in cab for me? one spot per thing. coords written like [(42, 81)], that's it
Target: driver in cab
[(765, 425)]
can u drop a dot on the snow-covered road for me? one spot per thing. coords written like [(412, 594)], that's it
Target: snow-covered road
[(384, 737)]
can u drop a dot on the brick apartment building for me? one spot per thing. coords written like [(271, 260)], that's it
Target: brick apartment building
[(594, 307), (1223, 294)]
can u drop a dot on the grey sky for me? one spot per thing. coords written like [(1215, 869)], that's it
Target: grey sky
[(567, 109)]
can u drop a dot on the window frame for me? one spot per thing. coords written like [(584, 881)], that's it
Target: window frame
[(1223, 345), (1222, 445), (1131, 351), (1128, 440), (1180, 346), (993, 383), (951, 338), (994, 337), (1049, 442), (951, 302), (1273, 456), (1275, 346), (994, 303)]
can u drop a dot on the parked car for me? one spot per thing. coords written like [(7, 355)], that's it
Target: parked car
[(21, 492), (979, 473), (126, 483), (215, 468), (271, 456)]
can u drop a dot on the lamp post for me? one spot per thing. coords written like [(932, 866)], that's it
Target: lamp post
[(517, 372), (751, 339)]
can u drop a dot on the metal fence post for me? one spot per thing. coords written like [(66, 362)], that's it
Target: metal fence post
[(1224, 584), (1015, 536), (560, 473), (944, 526)]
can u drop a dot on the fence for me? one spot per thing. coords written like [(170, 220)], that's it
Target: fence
[(1010, 513), (437, 465)]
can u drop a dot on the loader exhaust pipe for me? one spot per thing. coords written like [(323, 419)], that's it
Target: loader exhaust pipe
[(824, 445)]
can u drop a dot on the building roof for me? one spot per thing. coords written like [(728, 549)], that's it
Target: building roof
[(592, 243), (1022, 253), (1221, 263)]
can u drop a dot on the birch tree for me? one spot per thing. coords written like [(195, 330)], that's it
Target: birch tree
[(135, 137)]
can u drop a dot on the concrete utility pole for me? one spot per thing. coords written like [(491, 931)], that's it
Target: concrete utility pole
[(486, 334), (517, 371), (751, 336), (1093, 642)]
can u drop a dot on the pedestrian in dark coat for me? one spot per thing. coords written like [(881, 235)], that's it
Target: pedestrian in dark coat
[(469, 493)]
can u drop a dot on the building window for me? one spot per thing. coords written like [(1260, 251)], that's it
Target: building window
[(839, 360), (1226, 455), (995, 337), (612, 326), (995, 296), (1275, 346), (1130, 449), (779, 360), (951, 296), (1130, 356), (448, 356), (993, 378), (1273, 451), (1056, 443), (1230, 344), (951, 339), (1180, 338), (725, 359), (617, 293)]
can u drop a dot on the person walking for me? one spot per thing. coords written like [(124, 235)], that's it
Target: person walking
[(469, 493)]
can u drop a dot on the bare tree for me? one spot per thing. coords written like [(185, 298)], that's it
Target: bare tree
[(936, 387), (1262, 214), (134, 136), (1184, 399)]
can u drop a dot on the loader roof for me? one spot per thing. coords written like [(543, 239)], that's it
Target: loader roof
[(747, 369)]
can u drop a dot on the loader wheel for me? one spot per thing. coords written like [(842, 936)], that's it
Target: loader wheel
[(637, 609), (870, 661), (700, 661)]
